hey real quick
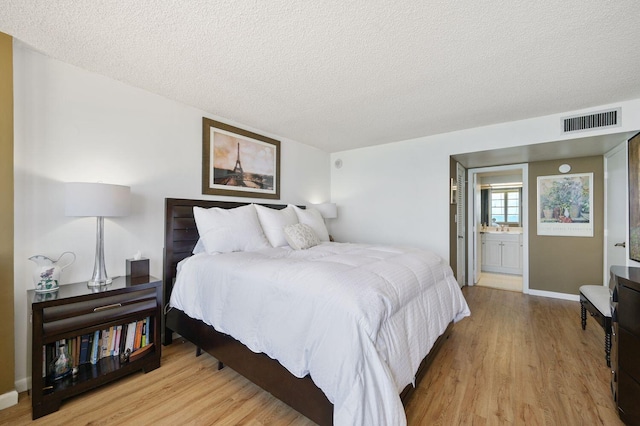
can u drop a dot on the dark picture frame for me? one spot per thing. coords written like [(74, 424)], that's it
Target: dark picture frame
[(634, 197), (239, 163)]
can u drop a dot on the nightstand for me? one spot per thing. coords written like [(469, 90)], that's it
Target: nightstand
[(625, 348), (77, 312)]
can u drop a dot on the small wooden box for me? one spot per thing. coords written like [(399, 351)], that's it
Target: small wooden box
[(138, 268)]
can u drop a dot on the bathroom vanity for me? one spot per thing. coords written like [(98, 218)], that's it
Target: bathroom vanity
[(502, 252)]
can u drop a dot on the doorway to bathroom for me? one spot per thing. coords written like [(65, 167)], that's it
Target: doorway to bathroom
[(498, 219)]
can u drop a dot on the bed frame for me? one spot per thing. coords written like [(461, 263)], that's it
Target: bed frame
[(303, 395)]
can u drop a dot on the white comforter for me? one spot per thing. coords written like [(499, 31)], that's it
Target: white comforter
[(357, 318)]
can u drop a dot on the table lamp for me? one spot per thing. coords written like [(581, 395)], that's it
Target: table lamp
[(100, 200), (327, 210)]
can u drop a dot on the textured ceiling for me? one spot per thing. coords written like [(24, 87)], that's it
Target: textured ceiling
[(341, 74)]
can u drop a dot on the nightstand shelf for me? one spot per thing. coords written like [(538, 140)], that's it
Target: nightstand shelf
[(77, 310)]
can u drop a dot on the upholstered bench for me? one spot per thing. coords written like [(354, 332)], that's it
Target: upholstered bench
[(595, 299)]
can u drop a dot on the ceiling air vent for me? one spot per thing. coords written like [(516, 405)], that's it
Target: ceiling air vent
[(597, 120)]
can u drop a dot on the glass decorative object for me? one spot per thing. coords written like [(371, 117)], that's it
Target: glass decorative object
[(61, 366)]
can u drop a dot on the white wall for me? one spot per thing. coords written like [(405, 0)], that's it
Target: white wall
[(74, 125), (399, 192)]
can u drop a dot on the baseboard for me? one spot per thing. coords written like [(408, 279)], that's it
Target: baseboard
[(554, 295), (8, 399), (23, 385)]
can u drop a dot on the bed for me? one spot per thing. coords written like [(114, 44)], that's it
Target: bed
[(360, 380)]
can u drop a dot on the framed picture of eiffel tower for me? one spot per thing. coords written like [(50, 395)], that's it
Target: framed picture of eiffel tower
[(239, 163)]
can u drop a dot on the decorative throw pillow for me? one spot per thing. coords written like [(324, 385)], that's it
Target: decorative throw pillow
[(300, 236), (227, 230), (273, 222), (313, 218)]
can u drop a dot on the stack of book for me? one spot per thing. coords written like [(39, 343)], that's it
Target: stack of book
[(110, 342)]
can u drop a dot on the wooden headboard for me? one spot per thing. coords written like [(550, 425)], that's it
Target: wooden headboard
[(181, 234)]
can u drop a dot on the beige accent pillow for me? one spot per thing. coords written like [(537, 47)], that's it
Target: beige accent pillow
[(300, 236)]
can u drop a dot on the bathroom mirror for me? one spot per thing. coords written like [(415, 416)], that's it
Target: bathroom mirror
[(501, 205)]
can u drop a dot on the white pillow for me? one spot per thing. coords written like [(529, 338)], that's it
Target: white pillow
[(227, 230), (199, 247), (313, 218), (273, 222), (301, 236)]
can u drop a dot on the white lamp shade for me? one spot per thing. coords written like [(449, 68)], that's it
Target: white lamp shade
[(97, 199), (327, 210)]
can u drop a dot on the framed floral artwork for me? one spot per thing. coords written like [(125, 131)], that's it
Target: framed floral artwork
[(564, 205)]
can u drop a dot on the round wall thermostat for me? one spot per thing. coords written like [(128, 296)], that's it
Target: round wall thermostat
[(564, 168)]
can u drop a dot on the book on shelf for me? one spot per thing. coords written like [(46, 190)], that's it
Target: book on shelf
[(143, 337), (68, 347), (147, 331), (137, 342), (84, 348), (95, 347), (106, 343), (76, 350), (116, 341), (71, 350), (76, 354), (91, 337), (112, 336), (123, 338), (131, 334)]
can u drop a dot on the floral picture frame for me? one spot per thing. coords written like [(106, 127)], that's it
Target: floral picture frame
[(565, 205)]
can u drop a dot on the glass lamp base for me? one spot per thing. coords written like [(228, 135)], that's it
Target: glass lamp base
[(99, 283)]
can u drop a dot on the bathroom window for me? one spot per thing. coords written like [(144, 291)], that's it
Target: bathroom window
[(505, 206)]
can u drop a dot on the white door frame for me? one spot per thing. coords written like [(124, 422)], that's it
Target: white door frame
[(461, 233), (477, 210), (473, 231), (608, 219)]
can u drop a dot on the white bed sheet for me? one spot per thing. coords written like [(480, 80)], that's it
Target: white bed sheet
[(357, 318)]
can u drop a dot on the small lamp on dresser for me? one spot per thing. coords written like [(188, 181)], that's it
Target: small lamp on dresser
[(100, 200), (327, 210)]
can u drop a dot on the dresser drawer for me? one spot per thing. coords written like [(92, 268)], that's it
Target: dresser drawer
[(628, 312), (55, 313), (629, 359), (628, 397), (630, 283), (57, 329)]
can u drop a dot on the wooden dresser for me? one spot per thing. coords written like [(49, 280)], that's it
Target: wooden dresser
[(625, 350)]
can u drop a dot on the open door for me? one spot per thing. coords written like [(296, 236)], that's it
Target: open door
[(476, 240), (616, 217), (460, 224), (474, 252)]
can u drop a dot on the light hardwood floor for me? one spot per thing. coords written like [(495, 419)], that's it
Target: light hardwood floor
[(500, 281), (517, 360)]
